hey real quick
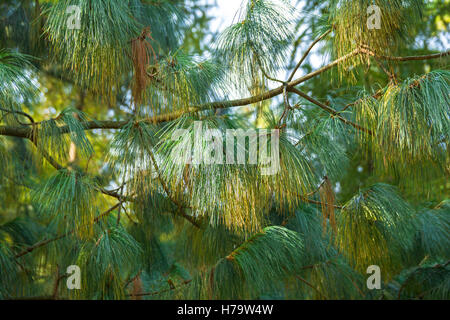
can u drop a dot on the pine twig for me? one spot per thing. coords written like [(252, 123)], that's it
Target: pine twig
[(159, 292), (306, 54), (45, 242)]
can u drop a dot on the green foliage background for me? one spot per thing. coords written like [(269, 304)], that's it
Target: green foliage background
[(89, 176)]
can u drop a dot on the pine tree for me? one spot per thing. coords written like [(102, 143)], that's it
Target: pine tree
[(93, 92)]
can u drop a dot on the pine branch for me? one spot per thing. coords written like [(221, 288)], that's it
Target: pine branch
[(306, 54), (41, 244), (330, 110), (46, 242), (438, 265), (47, 157), (377, 95), (169, 194), (58, 166), (319, 203), (305, 197), (20, 113), (311, 286), (407, 58), (113, 194), (58, 279), (159, 292), (23, 132)]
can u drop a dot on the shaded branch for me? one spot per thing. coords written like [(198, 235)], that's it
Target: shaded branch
[(159, 292), (407, 58), (306, 54), (24, 132), (45, 242), (41, 244), (331, 111), (169, 194), (310, 285)]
